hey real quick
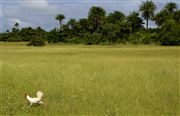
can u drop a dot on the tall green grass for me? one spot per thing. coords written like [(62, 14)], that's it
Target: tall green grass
[(90, 80)]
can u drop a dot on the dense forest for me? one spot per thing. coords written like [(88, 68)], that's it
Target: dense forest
[(102, 28)]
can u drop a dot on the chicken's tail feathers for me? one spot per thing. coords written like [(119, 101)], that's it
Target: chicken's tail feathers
[(39, 94)]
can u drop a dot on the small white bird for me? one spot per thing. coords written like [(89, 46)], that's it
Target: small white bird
[(35, 100)]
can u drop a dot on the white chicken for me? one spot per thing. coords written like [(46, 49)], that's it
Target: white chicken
[(35, 100)]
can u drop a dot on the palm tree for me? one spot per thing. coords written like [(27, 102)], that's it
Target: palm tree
[(96, 16), (71, 23), (15, 29), (83, 23), (135, 21), (158, 19), (16, 25), (147, 8), (7, 31), (161, 17), (60, 17), (171, 7), (176, 16), (115, 16)]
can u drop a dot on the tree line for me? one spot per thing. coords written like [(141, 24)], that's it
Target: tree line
[(102, 28)]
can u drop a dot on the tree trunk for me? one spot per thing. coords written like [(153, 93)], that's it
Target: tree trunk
[(60, 24), (147, 23), (130, 32)]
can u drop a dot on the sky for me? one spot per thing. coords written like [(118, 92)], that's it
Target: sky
[(42, 12)]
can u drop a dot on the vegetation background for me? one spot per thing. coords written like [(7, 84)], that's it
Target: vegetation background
[(102, 28)]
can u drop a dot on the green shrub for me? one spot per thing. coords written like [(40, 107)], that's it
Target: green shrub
[(36, 42), (75, 40), (170, 33), (135, 38), (94, 38), (4, 36), (143, 37), (170, 41)]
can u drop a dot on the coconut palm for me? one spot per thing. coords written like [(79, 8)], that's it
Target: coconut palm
[(147, 8), (171, 7), (135, 21), (83, 23), (95, 17), (16, 25), (176, 16), (115, 17), (71, 23), (60, 17), (7, 31), (161, 17), (15, 30)]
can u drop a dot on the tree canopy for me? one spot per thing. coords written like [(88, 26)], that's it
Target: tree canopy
[(102, 28), (60, 17), (147, 8)]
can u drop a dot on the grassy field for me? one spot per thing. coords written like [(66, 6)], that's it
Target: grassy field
[(90, 80)]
